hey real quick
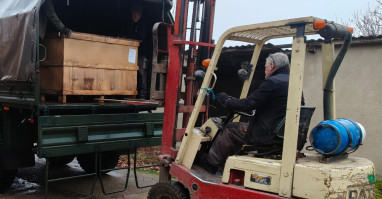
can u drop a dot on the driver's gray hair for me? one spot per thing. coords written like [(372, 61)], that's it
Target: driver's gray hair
[(279, 60)]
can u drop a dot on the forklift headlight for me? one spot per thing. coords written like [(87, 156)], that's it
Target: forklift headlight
[(319, 24), (206, 62), (350, 29)]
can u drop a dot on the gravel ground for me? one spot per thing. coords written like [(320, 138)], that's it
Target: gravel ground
[(29, 183)]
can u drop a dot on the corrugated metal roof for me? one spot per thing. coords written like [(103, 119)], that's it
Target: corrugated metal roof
[(361, 40)]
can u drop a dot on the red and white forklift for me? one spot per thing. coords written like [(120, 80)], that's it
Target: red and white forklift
[(326, 174)]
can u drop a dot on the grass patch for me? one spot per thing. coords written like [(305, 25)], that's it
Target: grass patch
[(145, 156), (148, 171), (378, 190)]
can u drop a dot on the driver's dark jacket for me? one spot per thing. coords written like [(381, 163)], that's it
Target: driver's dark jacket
[(269, 101)]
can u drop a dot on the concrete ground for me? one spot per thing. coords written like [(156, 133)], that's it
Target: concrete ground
[(29, 183)]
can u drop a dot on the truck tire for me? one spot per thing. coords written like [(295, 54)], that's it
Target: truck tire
[(168, 190), (60, 161), (7, 176), (108, 161)]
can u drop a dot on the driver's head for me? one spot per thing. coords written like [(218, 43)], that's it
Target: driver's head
[(136, 12), (274, 62)]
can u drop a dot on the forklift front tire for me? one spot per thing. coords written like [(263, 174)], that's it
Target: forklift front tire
[(169, 190)]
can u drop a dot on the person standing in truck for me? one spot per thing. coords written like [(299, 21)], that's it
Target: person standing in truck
[(139, 29), (48, 13)]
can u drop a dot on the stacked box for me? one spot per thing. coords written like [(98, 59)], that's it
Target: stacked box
[(87, 64)]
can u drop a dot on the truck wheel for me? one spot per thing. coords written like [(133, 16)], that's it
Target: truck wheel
[(108, 161), (60, 161), (7, 176), (168, 190)]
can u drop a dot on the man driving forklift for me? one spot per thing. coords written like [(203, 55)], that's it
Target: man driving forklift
[(269, 101)]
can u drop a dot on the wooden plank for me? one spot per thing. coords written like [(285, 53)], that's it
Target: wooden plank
[(102, 99), (98, 38), (108, 82), (62, 98), (117, 81), (131, 101), (52, 78), (94, 53), (100, 80), (95, 92), (104, 39), (42, 99), (87, 65), (54, 50), (130, 80)]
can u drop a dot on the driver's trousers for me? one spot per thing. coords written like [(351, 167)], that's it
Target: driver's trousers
[(228, 142)]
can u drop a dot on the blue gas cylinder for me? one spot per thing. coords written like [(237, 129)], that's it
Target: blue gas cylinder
[(334, 137)]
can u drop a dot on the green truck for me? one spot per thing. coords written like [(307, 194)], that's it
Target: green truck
[(96, 132)]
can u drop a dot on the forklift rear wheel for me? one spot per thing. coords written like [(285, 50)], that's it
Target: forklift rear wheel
[(60, 161), (108, 161), (7, 176), (168, 190)]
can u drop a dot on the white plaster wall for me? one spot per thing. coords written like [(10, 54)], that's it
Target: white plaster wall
[(358, 94)]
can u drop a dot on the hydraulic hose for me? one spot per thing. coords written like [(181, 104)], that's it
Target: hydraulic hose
[(334, 32)]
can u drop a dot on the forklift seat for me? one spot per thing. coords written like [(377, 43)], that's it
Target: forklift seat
[(306, 113)]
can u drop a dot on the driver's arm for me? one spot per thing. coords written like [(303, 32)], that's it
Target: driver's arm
[(52, 16), (256, 99)]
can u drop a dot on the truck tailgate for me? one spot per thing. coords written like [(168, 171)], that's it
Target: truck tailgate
[(77, 134)]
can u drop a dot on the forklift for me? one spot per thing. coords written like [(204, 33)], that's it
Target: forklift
[(288, 174)]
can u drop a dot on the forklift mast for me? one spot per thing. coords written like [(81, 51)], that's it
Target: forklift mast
[(176, 48)]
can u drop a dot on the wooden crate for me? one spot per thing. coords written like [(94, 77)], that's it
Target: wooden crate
[(86, 64)]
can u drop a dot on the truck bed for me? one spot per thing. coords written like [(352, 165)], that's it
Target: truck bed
[(65, 129)]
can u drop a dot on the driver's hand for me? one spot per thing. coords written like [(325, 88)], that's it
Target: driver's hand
[(66, 32), (222, 97)]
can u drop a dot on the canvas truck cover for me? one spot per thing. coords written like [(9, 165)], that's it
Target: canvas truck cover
[(19, 21)]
